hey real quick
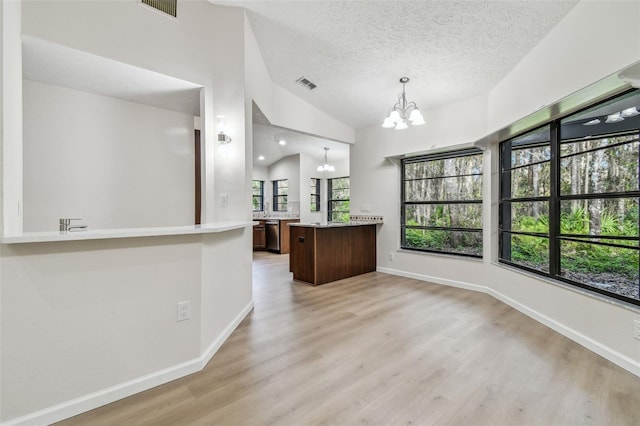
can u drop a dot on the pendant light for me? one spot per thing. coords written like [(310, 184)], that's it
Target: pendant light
[(403, 113), (325, 166)]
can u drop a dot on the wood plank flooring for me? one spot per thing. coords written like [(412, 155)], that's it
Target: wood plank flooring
[(384, 350)]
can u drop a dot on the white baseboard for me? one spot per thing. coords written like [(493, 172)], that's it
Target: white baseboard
[(435, 280), (215, 346), (111, 394), (629, 364)]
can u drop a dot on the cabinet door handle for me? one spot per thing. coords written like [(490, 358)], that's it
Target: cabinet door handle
[(301, 239)]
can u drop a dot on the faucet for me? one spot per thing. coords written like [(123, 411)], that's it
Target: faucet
[(65, 225)]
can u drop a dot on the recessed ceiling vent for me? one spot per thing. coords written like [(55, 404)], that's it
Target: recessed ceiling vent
[(306, 83), (165, 6)]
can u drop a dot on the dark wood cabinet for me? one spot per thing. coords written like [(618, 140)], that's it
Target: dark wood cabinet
[(323, 254), (284, 234), (259, 236), (272, 235)]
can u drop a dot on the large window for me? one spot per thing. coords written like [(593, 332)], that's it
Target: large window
[(338, 190), (258, 195), (569, 199), (442, 203), (280, 193), (315, 195)]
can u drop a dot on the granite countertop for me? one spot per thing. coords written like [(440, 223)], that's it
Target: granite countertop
[(335, 224), (276, 218)]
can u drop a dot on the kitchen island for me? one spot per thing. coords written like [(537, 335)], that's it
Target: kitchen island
[(330, 252)]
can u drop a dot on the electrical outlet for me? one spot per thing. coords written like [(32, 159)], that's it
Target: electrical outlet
[(391, 257), (184, 310), (636, 329)]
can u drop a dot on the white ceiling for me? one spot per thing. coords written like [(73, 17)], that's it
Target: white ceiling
[(356, 51), (59, 65)]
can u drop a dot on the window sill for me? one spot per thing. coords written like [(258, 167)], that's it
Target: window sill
[(445, 255), (575, 289)]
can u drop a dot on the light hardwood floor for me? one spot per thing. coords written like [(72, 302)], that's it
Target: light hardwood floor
[(384, 350)]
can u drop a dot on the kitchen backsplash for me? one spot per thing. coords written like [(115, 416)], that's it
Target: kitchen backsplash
[(365, 218), (293, 212), (276, 215)]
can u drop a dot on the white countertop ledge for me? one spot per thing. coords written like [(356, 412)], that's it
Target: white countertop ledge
[(104, 234)]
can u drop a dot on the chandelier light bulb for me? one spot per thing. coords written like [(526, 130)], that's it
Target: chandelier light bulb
[(416, 117), (614, 118), (326, 168), (401, 125), (630, 112), (388, 123), (394, 116)]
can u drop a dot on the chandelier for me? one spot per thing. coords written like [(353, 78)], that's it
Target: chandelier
[(325, 166), (403, 112)]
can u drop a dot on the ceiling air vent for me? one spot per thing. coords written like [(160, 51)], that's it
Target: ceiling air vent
[(165, 6), (306, 83)]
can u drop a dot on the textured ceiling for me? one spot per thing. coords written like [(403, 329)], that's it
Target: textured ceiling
[(356, 51)]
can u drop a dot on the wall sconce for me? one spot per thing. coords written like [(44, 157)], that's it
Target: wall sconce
[(223, 138)]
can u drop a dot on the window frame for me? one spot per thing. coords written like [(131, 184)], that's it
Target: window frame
[(259, 196), (280, 201), (556, 197), (315, 195), (331, 200), (460, 153)]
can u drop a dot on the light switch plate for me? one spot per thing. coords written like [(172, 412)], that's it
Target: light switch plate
[(184, 310)]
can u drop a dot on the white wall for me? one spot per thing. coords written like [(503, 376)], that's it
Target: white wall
[(73, 143), (85, 323), (226, 292), (260, 173), (12, 118), (78, 317), (208, 56), (286, 168), (564, 62)]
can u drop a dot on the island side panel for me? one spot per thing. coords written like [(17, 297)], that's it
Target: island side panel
[(302, 253), (344, 252), (364, 250)]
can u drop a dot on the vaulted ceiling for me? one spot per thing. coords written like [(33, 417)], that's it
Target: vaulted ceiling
[(356, 51)]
